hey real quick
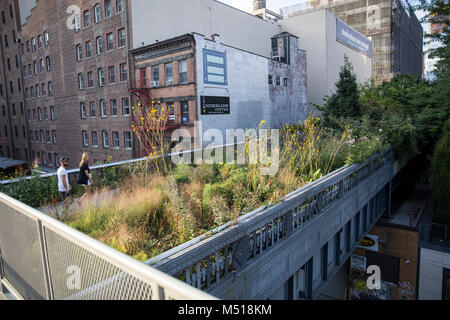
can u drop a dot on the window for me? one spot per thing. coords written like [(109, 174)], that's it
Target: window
[(30, 135), (16, 131), (42, 63), (45, 113), (6, 42), (36, 136), (46, 38), (17, 61), (122, 38), (77, 21), (33, 44), (184, 112), (55, 141), (52, 113), (98, 13), (14, 109), (110, 41), (119, 5), (36, 67), (88, 49), (127, 138), (182, 65), (44, 158), (22, 49), (115, 140), (270, 79), (56, 157), (40, 114), (38, 91), (50, 89), (21, 108), (28, 46), (3, 17), (50, 161), (34, 114), (285, 82), (90, 77), (123, 72), (85, 139), (30, 70), (278, 80), (11, 86), (32, 92), (79, 53), (8, 62), (24, 131), (125, 107), (87, 19), (47, 60), (155, 73), (113, 107), (112, 74), (81, 81), (101, 77), (39, 41), (99, 45), (83, 110), (108, 8), (25, 71), (92, 109), (42, 136), (169, 74), (215, 67), (19, 84), (49, 140), (94, 139), (44, 90), (29, 115), (105, 139), (104, 108)]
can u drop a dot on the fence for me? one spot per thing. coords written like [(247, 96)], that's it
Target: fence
[(41, 258), (209, 262)]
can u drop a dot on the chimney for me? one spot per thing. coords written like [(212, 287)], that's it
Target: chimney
[(259, 4)]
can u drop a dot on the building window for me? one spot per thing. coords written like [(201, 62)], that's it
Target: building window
[(184, 112), (119, 5), (36, 136), (77, 22), (104, 108), (33, 44), (44, 158), (36, 67), (45, 113), (79, 52), (46, 38), (113, 107), (169, 74), (110, 41), (101, 77), (90, 76), (55, 141), (88, 49), (183, 72), (99, 45), (115, 140), (50, 161), (50, 89), (42, 136), (42, 65), (24, 131), (285, 82), (127, 138), (49, 140), (28, 47), (94, 139), (38, 91), (215, 67), (39, 41), (122, 38), (270, 79), (52, 113), (155, 73), (85, 139), (125, 107), (87, 19), (108, 8), (83, 110), (123, 72), (34, 114), (32, 92), (105, 139), (56, 157), (30, 70), (81, 81), (278, 80), (112, 74), (92, 109), (30, 135), (44, 90), (40, 114), (98, 13)]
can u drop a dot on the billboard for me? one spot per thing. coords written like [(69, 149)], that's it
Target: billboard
[(350, 37)]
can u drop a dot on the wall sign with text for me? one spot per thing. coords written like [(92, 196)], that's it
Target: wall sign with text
[(215, 105), (350, 37)]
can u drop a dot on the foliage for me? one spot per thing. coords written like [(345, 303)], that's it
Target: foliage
[(440, 176)]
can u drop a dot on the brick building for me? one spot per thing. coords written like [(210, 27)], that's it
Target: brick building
[(13, 126), (75, 70)]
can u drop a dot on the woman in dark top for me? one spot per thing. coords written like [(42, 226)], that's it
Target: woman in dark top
[(85, 178)]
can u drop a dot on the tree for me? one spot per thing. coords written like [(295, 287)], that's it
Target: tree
[(440, 177), (345, 102)]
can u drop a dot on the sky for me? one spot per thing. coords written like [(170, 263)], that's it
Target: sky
[(274, 5)]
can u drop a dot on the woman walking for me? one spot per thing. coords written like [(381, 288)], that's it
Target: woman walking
[(85, 178)]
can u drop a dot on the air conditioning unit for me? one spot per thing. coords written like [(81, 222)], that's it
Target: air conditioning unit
[(169, 83), (154, 84)]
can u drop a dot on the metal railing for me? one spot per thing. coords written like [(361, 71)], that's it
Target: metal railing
[(41, 258), (209, 261), (438, 234)]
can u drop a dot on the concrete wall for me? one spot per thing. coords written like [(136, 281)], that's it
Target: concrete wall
[(432, 264), (317, 33), (159, 20)]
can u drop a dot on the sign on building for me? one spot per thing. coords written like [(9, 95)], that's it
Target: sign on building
[(370, 242), (358, 262), (215, 105), (350, 37)]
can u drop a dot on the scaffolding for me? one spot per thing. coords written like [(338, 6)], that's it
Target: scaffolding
[(395, 31)]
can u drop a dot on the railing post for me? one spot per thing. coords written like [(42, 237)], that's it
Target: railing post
[(46, 269), (1, 266)]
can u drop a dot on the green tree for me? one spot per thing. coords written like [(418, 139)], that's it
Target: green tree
[(345, 102), (440, 177)]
